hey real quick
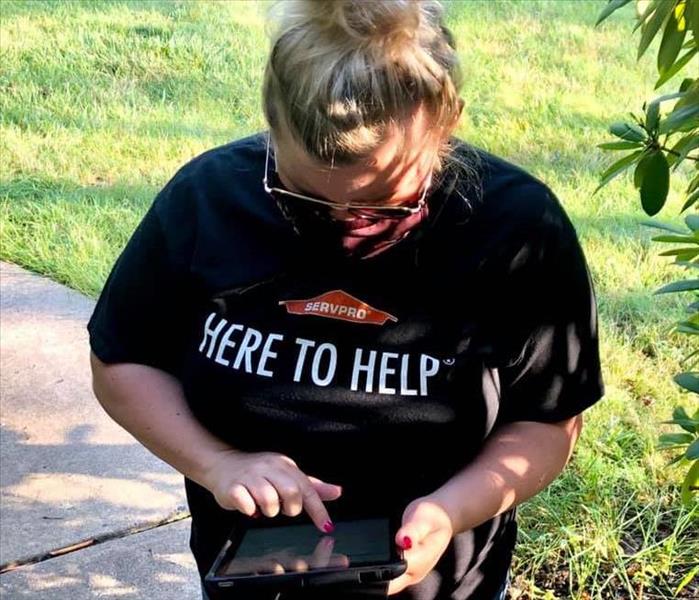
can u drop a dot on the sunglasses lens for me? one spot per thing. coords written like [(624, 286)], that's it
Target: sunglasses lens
[(375, 214), (301, 209)]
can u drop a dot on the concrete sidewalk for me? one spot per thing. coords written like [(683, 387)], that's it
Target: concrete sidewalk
[(69, 474)]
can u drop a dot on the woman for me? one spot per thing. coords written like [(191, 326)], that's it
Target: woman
[(355, 312)]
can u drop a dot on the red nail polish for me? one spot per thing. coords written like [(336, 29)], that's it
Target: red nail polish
[(328, 527), (407, 543)]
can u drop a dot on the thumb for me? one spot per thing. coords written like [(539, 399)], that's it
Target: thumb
[(411, 532), (326, 491)]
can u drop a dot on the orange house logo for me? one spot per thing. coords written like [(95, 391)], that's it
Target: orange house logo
[(338, 305)]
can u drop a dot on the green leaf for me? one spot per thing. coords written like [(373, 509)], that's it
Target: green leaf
[(692, 222), (686, 424), (663, 226), (648, 9), (679, 412), (673, 36), (676, 68), (686, 83), (617, 168), (685, 285), (690, 485), (683, 147), (689, 98), (612, 6), (640, 171), (693, 451), (650, 28), (692, 16), (629, 132), (689, 381), (689, 360), (666, 97), (619, 145), (691, 200), (676, 239), (685, 253), (681, 119), (677, 458), (656, 183), (652, 116), (676, 438), (682, 328)]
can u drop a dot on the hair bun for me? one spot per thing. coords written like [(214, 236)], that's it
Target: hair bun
[(369, 22), (343, 74)]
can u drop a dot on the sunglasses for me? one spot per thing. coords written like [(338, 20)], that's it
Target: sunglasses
[(356, 210)]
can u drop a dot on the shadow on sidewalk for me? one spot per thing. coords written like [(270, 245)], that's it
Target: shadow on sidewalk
[(86, 489)]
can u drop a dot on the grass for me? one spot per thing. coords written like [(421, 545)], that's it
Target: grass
[(101, 102)]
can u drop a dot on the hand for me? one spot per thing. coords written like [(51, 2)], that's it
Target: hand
[(428, 529), (245, 480)]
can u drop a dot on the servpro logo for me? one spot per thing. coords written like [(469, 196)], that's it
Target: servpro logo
[(338, 305)]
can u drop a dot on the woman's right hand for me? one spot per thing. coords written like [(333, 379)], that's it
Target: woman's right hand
[(245, 480)]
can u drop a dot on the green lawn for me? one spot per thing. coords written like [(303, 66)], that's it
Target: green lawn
[(101, 102)]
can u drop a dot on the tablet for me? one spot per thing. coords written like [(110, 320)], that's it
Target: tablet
[(284, 557)]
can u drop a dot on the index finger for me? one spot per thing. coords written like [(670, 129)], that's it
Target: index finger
[(314, 506)]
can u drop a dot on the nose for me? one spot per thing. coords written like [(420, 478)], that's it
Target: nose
[(340, 214)]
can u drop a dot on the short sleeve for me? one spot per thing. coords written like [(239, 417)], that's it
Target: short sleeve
[(548, 332), (138, 317)]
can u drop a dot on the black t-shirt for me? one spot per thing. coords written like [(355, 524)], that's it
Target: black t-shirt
[(384, 375)]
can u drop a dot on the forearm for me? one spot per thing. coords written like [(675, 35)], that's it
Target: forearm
[(150, 404), (517, 462)]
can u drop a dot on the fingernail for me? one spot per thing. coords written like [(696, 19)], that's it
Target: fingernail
[(328, 527), (407, 543)]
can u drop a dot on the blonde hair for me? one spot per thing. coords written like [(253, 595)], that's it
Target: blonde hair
[(342, 72)]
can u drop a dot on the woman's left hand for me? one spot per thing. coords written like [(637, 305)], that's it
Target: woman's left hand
[(424, 535)]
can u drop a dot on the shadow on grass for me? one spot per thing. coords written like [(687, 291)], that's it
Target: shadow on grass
[(44, 190)]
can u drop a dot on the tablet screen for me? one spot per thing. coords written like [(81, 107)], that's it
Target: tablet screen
[(302, 547)]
